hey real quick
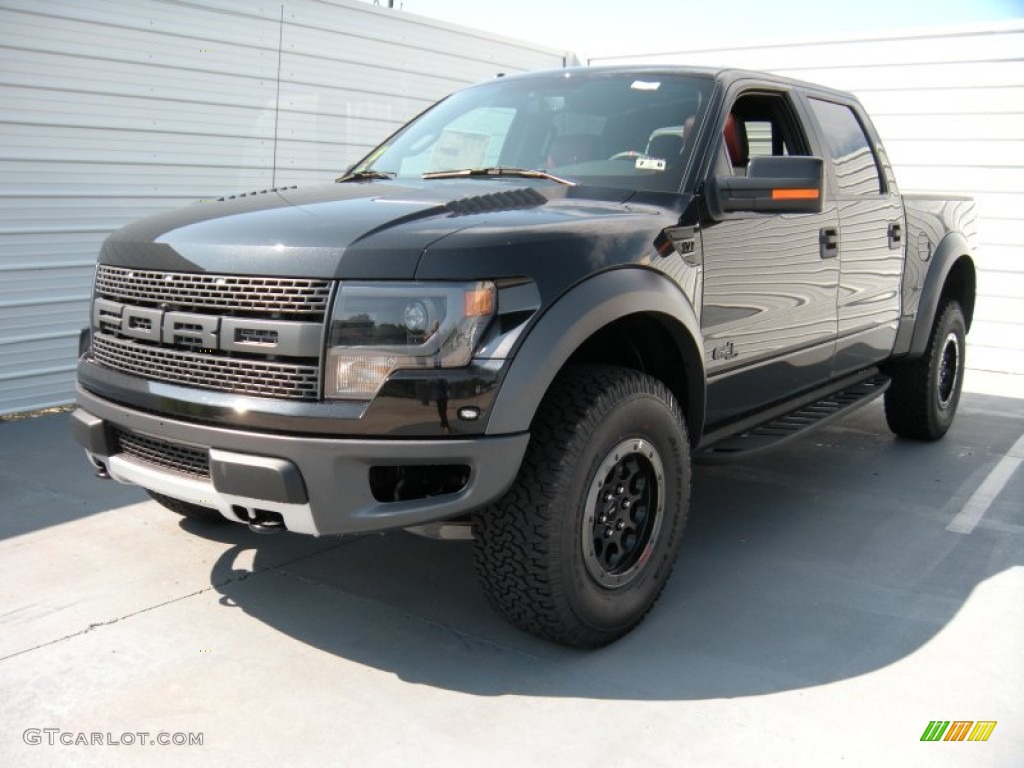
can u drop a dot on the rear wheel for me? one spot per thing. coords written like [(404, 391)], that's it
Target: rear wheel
[(925, 392), (581, 546), (193, 511)]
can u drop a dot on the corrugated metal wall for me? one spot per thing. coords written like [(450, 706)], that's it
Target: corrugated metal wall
[(111, 110), (949, 106)]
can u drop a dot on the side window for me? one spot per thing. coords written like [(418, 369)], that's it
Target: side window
[(761, 137), (760, 125), (856, 166)]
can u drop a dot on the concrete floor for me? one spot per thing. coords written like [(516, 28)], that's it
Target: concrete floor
[(821, 613)]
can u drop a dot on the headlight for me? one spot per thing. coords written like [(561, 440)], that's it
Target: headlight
[(377, 328)]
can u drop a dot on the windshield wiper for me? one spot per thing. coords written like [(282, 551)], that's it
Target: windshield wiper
[(367, 175), (523, 173)]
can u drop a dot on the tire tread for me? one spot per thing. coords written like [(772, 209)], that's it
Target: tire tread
[(909, 401), (514, 553)]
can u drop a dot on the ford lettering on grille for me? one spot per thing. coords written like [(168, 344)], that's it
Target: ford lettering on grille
[(287, 338)]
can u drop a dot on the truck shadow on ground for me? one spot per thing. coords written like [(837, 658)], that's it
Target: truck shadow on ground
[(811, 564)]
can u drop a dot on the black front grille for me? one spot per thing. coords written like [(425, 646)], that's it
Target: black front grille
[(227, 374), (183, 459), (231, 293), (133, 308)]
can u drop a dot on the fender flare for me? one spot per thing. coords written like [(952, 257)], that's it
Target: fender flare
[(577, 315), (950, 250)]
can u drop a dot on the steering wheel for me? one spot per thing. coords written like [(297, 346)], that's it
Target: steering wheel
[(628, 154)]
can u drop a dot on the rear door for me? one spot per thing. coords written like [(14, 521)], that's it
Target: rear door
[(871, 238), (770, 280)]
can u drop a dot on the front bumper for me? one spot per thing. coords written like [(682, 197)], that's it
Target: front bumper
[(319, 485)]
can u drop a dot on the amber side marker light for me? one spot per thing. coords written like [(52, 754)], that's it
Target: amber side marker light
[(794, 194), (478, 302)]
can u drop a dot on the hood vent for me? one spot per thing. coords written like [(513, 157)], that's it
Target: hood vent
[(257, 192), (497, 201)]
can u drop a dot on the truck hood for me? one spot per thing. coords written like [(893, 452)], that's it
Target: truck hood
[(368, 230)]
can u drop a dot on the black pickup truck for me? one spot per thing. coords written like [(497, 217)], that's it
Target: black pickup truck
[(521, 318)]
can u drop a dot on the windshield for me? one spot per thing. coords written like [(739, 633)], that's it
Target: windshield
[(614, 129)]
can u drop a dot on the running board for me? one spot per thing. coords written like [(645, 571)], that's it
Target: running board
[(795, 422)]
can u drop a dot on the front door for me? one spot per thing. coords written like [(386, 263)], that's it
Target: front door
[(770, 280)]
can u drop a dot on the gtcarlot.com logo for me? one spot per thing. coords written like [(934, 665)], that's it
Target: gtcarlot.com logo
[(57, 736), (958, 730)]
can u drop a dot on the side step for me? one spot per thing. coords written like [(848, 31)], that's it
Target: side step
[(795, 422)]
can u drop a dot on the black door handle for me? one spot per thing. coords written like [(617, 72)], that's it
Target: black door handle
[(828, 238), (895, 236)]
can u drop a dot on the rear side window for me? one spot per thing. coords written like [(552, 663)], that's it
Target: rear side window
[(856, 166)]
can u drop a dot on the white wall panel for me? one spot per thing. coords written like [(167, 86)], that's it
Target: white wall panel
[(949, 105), (114, 109)]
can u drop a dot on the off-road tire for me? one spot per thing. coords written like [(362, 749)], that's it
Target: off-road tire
[(193, 511), (925, 392), (581, 546)]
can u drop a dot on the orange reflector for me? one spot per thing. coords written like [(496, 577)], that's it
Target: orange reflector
[(478, 302), (794, 194)]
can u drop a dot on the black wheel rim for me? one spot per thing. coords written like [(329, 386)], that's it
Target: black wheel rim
[(949, 370), (623, 515)]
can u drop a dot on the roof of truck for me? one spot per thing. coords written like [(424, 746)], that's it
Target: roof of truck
[(724, 75)]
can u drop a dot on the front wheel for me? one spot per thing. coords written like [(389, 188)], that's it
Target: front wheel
[(581, 546), (925, 392)]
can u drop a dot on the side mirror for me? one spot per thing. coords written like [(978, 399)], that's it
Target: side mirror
[(772, 185)]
